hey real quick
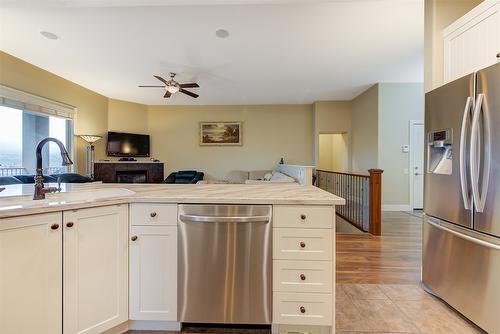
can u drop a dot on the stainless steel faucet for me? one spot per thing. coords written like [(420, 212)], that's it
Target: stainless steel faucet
[(40, 190)]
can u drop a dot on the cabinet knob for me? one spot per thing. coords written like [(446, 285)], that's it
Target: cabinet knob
[(302, 277), (302, 309), (152, 214), (302, 244), (303, 216), (69, 224), (498, 55), (54, 226), (134, 238)]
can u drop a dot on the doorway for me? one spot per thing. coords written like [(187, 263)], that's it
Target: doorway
[(416, 170), (333, 152)]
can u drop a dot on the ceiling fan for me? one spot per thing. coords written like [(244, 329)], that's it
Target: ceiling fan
[(173, 86)]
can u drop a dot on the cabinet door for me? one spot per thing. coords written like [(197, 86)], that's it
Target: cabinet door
[(472, 42), (31, 274), (153, 273), (95, 274)]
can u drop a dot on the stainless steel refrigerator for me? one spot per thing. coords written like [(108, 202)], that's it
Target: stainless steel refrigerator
[(461, 234)]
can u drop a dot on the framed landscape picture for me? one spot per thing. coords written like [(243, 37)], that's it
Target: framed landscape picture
[(221, 133)]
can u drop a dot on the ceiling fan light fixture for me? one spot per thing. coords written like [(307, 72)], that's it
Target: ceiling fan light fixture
[(173, 89)]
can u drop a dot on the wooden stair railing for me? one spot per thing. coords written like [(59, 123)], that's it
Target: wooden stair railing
[(363, 195)]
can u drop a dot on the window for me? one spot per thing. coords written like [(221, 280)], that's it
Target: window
[(22, 126)]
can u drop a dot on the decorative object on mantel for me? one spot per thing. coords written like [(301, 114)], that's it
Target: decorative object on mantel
[(282, 161), (221, 134), (90, 139)]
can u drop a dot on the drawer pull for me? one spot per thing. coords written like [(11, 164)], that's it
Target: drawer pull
[(303, 216), (498, 55), (302, 309), (133, 238), (54, 226), (302, 277), (152, 214), (69, 224), (302, 244)]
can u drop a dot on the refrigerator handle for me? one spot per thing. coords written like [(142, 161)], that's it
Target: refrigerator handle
[(481, 108), (464, 185)]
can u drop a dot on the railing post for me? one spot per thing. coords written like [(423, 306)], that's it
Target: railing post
[(375, 201)]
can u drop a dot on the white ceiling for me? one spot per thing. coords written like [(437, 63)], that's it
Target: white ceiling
[(278, 51)]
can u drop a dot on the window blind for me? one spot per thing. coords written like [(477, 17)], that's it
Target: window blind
[(14, 98)]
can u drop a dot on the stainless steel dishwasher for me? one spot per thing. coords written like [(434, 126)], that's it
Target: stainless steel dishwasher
[(224, 273)]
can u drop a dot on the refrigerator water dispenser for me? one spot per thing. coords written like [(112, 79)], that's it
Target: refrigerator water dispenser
[(440, 153)]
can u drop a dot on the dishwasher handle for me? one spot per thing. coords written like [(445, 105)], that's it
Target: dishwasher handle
[(215, 219)]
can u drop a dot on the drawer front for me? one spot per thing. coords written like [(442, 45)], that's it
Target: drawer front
[(302, 276), (303, 216), (302, 244), (153, 214), (302, 309)]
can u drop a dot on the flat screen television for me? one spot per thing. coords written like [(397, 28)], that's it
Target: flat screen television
[(127, 145)]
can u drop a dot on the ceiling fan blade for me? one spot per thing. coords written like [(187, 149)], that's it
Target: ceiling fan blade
[(151, 86), (189, 85), (167, 94), (188, 93), (161, 79)]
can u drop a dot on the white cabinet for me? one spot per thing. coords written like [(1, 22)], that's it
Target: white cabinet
[(153, 273), (31, 274), (95, 269), (303, 262), (473, 41)]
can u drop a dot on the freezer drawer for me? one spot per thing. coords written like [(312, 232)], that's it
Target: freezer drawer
[(462, 267)]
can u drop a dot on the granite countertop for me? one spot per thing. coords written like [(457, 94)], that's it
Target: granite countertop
[(16, 200)]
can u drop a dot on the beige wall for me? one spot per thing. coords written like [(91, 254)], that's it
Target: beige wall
[(269, 133), (331, 117), (398, 104), (126, 116), (364, 134), (438, 15), (91, 117)]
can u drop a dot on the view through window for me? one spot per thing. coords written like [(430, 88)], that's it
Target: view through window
[(20, 133)]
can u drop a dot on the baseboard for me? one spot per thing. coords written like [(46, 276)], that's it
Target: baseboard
[(154, 325), (396, 207)]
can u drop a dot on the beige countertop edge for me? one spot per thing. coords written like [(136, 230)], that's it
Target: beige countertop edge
[(158, 199)]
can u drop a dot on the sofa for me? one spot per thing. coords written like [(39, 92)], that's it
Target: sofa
[(30, 179)]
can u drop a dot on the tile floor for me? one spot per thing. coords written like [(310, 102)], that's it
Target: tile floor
[(394, 308)]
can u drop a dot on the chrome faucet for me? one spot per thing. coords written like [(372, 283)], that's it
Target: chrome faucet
[(40, 190)]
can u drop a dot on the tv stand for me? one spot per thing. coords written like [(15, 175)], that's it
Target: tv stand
[(127, 159)]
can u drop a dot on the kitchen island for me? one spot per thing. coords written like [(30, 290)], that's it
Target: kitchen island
[(104, 257)]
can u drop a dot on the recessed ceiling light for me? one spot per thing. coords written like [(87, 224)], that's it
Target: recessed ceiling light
[(48, 34), (222, 33)]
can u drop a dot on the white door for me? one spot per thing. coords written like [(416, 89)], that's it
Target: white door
[(31, 274), (417, 165), (95, 274), (153, 273)]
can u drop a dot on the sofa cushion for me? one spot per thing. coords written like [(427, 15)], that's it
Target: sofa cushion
[(72, 178), (28, 179)]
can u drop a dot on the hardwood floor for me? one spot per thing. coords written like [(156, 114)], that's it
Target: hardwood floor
[(393, 258)]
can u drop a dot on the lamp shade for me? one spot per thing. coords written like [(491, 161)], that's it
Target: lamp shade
[(90, 138)]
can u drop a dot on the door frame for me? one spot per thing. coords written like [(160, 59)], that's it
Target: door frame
[(410, 158)]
